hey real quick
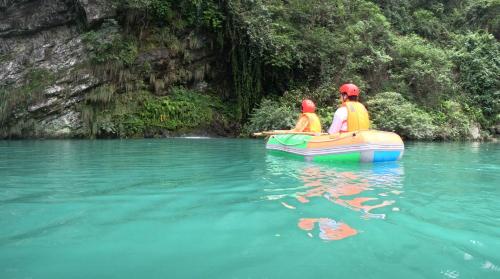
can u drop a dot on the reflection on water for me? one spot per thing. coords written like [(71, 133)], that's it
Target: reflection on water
[(361, 188), (329, 229)]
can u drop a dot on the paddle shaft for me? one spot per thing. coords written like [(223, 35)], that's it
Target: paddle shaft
[(287, 132)]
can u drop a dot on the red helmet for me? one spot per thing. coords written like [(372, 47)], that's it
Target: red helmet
[(349, 89), (308, 106)]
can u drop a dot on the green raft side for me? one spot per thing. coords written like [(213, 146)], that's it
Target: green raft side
[(352, 157), (296, 141)]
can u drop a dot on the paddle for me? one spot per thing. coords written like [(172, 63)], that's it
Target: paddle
[(286, 132)]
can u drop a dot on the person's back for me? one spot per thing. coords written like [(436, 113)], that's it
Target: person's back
[(352, 115), (308, 120), (357, 116)]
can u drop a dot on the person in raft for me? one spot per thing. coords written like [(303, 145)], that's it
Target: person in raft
[(352, 115), (308, 121)]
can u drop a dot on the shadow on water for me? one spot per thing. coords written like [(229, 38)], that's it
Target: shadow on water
[(40, 231), (334, 192)]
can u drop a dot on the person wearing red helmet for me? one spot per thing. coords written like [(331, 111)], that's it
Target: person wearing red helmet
[(308, 121), (352, 115)]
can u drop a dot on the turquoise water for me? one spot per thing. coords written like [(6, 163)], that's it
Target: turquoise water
[(217, 208)]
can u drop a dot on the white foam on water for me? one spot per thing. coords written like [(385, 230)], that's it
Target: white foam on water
[(274, 197), (475, 242), (489, 265), (451, 273)]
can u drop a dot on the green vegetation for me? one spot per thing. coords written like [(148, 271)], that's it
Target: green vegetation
[(108, 45), (446, 72), (139, 114), (391, 112), (477, 58), (441, 57), (182, 110), (271, 115)]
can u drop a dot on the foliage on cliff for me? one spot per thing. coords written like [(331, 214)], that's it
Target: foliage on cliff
[(254, 61), (441, 57)]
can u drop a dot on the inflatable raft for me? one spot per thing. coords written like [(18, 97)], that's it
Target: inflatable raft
[(361, 146)]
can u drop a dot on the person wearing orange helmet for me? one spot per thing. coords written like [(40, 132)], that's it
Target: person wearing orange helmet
[(352, 115), (308, 120)]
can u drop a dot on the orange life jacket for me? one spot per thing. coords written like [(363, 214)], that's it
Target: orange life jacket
[(314, 124), (357, 117)]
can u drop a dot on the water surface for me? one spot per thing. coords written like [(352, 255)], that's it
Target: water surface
[(217, 208)]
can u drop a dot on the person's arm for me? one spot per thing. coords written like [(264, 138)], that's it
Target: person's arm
[(336, 123), (301, 124)]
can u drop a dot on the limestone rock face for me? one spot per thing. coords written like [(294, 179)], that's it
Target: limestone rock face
[(475, 132), (23, 17), (45, 36), (96, 10), (57, 49)]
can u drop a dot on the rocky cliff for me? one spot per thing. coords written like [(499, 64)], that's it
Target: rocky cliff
[(40, 53), (51, 59)]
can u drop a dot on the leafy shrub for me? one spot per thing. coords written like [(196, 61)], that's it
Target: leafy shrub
[(139, 113), (212, 16), (399, 14), (483, 14), (197, 13), (390, 111), (423, 69), (323, 95), (107, 45), (477, 58), (452, 120), (183, 110), (271, 115), (157, 8), (427, 25)]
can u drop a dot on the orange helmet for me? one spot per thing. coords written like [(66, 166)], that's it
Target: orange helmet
[(349, 89), (308, 106)]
